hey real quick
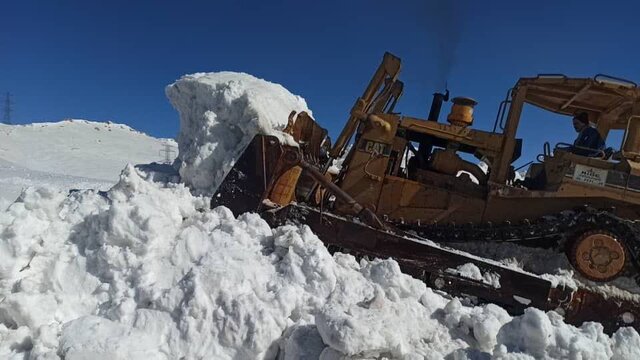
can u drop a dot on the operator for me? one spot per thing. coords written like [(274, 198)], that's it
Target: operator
[(588, 137)]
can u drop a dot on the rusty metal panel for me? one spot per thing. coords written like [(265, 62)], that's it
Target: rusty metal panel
[(392, 188), (582, 305), (363, 178), (632, 136), (564, 95), (635, 167), (488, 142), (284, 188), (248, 182), (369, 160), (634, 183)]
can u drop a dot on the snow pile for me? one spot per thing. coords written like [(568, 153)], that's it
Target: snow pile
[(219, 115), (146, 273), (14, 179)]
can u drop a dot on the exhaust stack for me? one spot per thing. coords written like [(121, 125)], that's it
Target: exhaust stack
[(436, 105)]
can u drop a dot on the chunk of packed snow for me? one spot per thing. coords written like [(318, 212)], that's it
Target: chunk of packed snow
[(471, 271), (545, 336), (219, 115), (336, 164)]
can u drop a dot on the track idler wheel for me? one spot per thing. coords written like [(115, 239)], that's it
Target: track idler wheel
[(598, 255)]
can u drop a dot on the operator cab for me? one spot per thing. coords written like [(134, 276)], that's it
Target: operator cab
[(610, 103)]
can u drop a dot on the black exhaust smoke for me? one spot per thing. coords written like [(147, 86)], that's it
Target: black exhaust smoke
[(444, 22)]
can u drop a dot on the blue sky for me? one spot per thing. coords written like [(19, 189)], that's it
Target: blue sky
[(110, 60)]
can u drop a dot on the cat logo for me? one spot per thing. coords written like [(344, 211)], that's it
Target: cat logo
[(373, 147)]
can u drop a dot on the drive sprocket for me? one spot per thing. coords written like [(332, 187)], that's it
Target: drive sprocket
[(598, 255)]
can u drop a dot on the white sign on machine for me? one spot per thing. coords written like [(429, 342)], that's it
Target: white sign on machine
[(590, 175)]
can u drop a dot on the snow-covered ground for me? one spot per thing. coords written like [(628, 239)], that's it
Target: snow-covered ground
[(147, 271), (71, 154)]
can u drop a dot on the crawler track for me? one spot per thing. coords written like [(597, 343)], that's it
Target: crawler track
[(553, 231)]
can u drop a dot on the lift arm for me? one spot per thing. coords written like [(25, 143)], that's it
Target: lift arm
[(381, 94)]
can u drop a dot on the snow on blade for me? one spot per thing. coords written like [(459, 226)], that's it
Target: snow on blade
[(471, 271), (219, 115)]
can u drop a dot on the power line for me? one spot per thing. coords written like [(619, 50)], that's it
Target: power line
[(6, 119), (168, 152)]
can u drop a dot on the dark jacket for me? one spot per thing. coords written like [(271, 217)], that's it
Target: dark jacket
[(590, 138)]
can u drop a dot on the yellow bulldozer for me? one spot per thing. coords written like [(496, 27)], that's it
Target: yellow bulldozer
[(405, 183)]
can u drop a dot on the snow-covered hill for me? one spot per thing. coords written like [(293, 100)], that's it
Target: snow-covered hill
[(71, 154), (148, 271)]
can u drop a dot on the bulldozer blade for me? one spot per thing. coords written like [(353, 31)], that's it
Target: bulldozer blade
[(515, 290), (250, 179)]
